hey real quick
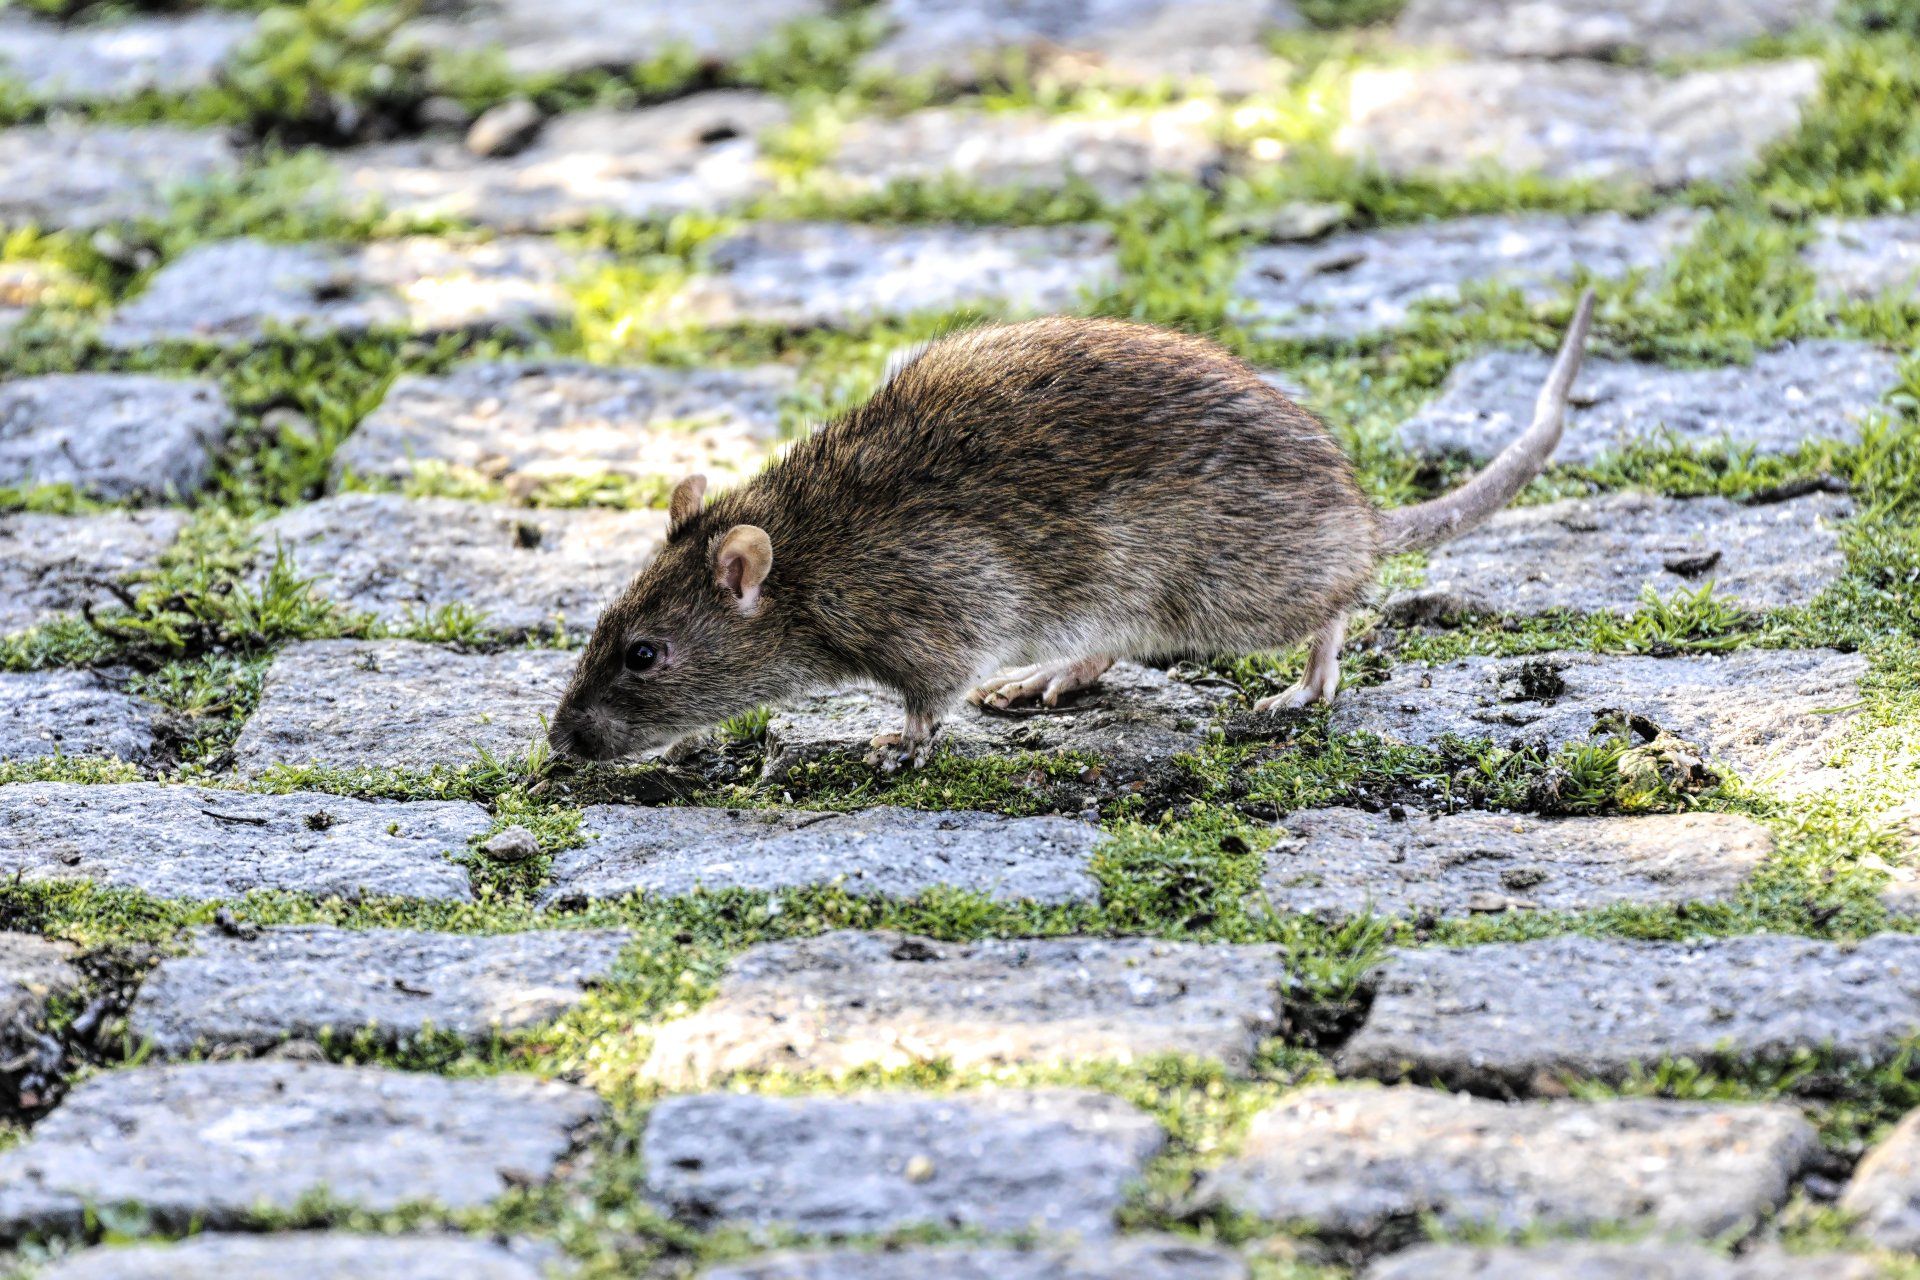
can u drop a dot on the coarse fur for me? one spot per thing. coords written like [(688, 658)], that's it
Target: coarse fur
[(1060, 492)]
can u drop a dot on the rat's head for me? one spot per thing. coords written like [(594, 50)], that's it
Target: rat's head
[(694, 639)]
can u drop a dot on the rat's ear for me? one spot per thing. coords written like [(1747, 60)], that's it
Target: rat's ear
[(741, 562), (684, 505)]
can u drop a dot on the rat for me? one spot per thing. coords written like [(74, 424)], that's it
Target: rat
[(1049, 496)]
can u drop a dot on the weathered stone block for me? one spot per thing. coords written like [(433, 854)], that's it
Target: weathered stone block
[(880, 852), (1792, 396), (1047, 1160), (34, 972), (92, 61), (1367, 280), (1857, 259), (51, 565), (1355, 1162), (1575, 120), (192, 842), (558, 37), (847, 1000), (1506, 1015), (235, 292), (82, 175), (304, 1255), (1643, 1261), (1769, 713), (1619, 30), (1132, 41), (71, 713), (698, 153), (1885, 1190), (1134, 1258), (1136, 714), (822, 274), (296, 982), (1600, 555), (214, 1144), (525, 423), (523, 570), (1116, 155), (1341, 863), (114, 435), (398, 704)]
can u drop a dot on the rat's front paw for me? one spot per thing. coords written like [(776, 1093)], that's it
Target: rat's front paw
[(894, 751)]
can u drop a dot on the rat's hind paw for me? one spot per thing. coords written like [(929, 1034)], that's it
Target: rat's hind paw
[(1315, 686), (1048, 683), (894, 751)]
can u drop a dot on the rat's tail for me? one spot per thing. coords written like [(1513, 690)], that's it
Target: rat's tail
[(1427, 524)]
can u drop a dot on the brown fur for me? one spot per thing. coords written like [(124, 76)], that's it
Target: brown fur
[(1017, 493)]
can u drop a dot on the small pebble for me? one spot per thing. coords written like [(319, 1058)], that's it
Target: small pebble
[(515, 844)]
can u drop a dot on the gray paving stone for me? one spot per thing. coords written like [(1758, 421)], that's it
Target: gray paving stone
[(402, 559), (822, 274), (69, 174), (1862, 258), (304, 1255), (1642, 1261), (1508, 1015), (1771, 714), (297, 982), (1135, 715), (1599, 555), (71, 713), (114, 435), (1049, 1160), (1133, 1258), (1885, 1190), (1622, 29), (398, 704), (879, 852), (547, 37), (1575, 120), (698, 153), (51, 565), (1116, 155), (1367, 280), (1126, 40), (34, 972), (1341, 863), (525, 423), (848, 1000), (82, 62), (1788, 397), (1353, 1162), (192, 842), (216, 1143), (235, 292)]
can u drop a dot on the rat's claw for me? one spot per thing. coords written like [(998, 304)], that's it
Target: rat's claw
[(1047, 683), (892, 752)]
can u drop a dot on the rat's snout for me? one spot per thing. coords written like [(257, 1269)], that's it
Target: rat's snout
[(581, 735)]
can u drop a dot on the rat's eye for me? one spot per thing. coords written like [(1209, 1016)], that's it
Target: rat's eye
[(642, 654)]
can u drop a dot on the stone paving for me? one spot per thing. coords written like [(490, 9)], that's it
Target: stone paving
[(405, 559), (1136, 1258), (1003, 1161), (191, 842), (52, 565), (1562, 29), (113, 435), (238, 292), (358, 704), (525, 423), (71, 713), (77, 175), (546, 37), (1362, 281), (67, 64), (1342, 863), (1646, 1261), (849, 1000), (1789, 397), (1354, 1162), (1865, 258), (309, 1255)]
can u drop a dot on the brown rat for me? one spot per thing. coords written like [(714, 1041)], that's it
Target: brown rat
[(1059, 493)]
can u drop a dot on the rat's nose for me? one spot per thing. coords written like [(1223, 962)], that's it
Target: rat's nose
[(576, 736)]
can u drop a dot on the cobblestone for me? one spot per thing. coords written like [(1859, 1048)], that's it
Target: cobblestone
[(561, 37), (51, 565), (1862, 258), (192, 842), (1051, 1160), (83, 175), (1620, 30), (1342, 863), (112, 435), (71, 64), (851, 1000), (522, 570), (1643, 1261), (304, 1255), (1134, 1258), (398, 704), (71, 713), (34, 973)]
